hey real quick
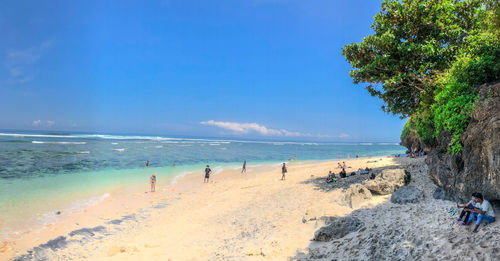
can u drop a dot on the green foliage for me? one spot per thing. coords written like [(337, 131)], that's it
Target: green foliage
[(425, 126), (452, 111), (409, 127), (414, 41), (455, 101), (425, 60)]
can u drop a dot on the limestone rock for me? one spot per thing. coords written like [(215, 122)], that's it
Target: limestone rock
[(477, 167), (388, 181), (407, 194), (337, 228), (356, 194), (440, 193)]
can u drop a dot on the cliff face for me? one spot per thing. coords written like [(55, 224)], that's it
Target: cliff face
[(477, 167), (412, 142)]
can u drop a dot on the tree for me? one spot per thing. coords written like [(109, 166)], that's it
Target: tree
[(414, 42)]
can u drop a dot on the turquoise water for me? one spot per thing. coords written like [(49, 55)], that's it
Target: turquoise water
[(43, 172)]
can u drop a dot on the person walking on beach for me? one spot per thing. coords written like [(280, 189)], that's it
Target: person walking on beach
[(153, 182), (283, 171), (244, 168), (339, 156), (357, 155), (483, 211), (147, 163), (207, 174), (347, 156)]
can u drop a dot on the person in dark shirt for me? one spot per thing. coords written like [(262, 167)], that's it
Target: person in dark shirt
[(283, 171), (207, 174), (244, 168)]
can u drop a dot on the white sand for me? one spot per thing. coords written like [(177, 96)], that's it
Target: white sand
[(423, 231), (256, 216)]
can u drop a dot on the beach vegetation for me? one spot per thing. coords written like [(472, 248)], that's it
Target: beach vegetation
[(425, 61)]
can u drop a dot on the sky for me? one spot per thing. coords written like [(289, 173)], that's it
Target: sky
[(235, 69)]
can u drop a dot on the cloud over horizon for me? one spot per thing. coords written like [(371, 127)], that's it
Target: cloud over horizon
[(244, 128), (343, 135)]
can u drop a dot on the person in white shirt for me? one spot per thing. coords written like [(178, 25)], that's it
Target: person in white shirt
[(483, 211)]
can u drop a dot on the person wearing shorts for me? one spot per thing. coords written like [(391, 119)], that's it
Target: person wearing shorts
[(207, 174)]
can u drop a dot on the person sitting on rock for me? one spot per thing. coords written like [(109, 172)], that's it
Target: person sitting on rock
[(483, 211), (466, 209), (342, 173)]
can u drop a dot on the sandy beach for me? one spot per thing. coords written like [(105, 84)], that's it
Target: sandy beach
[(256, 216), (234, 216)]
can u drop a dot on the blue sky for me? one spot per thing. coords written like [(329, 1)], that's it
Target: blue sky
[(249, 69)]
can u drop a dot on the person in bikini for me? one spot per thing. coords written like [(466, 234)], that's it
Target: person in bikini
[(153, 182)]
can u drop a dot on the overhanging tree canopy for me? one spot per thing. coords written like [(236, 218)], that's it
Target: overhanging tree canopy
[(414, 41)]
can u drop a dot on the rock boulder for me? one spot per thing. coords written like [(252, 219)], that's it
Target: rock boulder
[(407, 194), (356, 194), (337, 228), (388, 181)]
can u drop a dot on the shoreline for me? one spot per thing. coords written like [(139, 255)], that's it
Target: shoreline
[(131, 201)]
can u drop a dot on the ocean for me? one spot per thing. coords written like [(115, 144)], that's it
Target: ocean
[(41, 173)]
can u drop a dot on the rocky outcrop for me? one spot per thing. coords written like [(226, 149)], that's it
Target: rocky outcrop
[(477, 167), (407, 194), (388, 181), (356, 194), (412, 142), (337, 228)]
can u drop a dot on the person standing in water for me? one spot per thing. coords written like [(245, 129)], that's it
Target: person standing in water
[(283, 171), (244, 168), (357, 155), (147, 163), (207, 174), (153, 182), (339, 156)]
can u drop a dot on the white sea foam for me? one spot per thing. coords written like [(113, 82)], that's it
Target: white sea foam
[(83, 152), (59, 142), (119, 150)]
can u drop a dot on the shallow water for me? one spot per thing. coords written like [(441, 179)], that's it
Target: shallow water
[(41, 173)]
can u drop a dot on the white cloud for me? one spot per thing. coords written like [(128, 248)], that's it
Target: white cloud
[(343, 135), (50, 123), (37, 122), (18, 62), (243, 128), (74, 125)]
